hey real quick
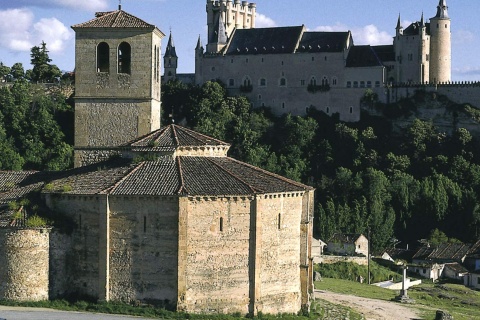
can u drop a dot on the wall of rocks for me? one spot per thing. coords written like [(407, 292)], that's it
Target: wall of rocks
[(24, 264)]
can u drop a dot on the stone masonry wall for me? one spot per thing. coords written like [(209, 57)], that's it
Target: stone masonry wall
[(24, 264), (59, 278), (143, 249), (218, 256), (82, 259), (280, 287)]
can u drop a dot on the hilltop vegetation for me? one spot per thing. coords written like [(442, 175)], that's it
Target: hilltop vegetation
[(399, 185)]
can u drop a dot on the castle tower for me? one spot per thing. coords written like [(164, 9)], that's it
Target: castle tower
[(440, 45), (117, 94), (170, 61), (223, 17)]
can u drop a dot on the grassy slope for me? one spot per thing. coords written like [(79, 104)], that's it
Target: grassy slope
[(457, 300)]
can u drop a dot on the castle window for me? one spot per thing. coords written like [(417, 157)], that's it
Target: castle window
[(231, 82), (327, 109), (213, 69), (427, 57), (263, 59), (369, 84), (351, 110), (325, 81), (410, 57), (124, 58), (279, 221), (355, 84), (282, 63), (325, 58), (377, 84), (349, 84), (362, 84), (144, 224), (302, 83), (170, 73), (313, 58), (231, 61), (283, 105), (103, 57), (313, 81), (246, 60), (283, 82), (438, 26), (446, 26), (221, 224), (334, 81), (247, 82), (260, 97), (263, 82)]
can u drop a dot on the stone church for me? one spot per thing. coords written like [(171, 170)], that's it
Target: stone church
[(157, 215), (291, 69)]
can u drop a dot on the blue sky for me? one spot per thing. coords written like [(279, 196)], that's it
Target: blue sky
[(25, 23)]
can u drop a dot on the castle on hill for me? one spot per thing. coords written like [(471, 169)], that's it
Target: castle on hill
[(291, 69), (155, 215)]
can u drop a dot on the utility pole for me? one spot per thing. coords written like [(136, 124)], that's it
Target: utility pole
[(368, 256)]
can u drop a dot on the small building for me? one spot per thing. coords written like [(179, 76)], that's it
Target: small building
[(429, 271), (472, 280), (396, 254), (317, 249), (348, 244), (442, 253), (472, 261), (454, 271)]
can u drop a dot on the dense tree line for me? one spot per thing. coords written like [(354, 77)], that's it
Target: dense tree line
[(36, 122), (408, 185)]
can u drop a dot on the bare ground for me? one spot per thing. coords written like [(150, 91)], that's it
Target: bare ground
[(371, 309)]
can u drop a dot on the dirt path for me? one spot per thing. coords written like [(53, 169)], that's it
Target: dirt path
[(370, 308)]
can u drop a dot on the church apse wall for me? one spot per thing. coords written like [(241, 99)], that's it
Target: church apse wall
[(143, 249)]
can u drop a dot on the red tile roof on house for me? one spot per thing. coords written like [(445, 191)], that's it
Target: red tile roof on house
[(114, 19)]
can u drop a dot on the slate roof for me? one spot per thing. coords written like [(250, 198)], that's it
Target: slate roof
[(114, 19), (323, 41), (444, 252), (400, 254), (172, 137), (385, 53), (415, 28), (345, 238), (362, 56), (264, 41)]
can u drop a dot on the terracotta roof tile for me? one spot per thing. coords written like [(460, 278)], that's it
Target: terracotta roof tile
[(114, 19)]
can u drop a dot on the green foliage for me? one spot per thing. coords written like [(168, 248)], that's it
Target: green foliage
[(42, 70), (36, 222), (352, 272)]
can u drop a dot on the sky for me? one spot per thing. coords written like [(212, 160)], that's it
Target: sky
[(26, 23)]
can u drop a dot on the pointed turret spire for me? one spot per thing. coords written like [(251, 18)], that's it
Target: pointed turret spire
[(222, 33), (399, 24), (199, 43), (422, 21), (170, 50), (442, 10)]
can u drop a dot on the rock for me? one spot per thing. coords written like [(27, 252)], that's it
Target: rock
[(442, 315), (317, 276)]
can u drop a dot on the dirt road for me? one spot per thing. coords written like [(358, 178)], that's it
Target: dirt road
[(370, 308)]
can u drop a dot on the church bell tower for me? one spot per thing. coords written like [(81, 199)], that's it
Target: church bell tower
[(117, 83)]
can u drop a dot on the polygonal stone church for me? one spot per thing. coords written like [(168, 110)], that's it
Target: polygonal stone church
[(157, 215)]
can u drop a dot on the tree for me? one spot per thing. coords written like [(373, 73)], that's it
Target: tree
[(42, 70), (4, 72), (17, 72)]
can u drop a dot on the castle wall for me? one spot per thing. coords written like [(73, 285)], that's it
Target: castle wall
[(215, 255), (411, 54), (143, 249), (278, 238), (59, 278), (24, 264), (298, 71)]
